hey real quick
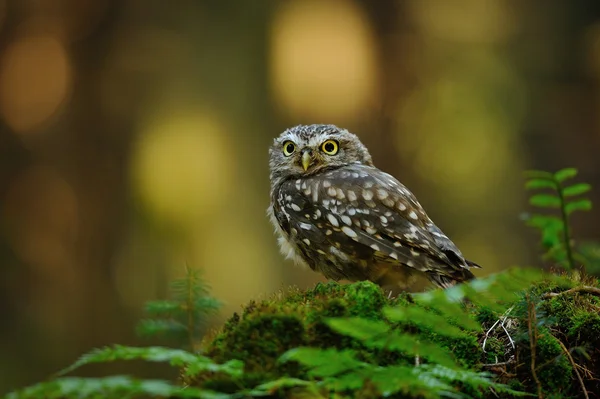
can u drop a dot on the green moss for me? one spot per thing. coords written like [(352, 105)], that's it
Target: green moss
[(554, 369), (266, 329)]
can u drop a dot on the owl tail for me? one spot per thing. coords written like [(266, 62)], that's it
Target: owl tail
[(456, 276)]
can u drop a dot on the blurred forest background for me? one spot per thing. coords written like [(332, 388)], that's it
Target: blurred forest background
[(134, 136)]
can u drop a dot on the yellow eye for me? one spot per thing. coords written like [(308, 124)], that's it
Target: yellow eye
[(330, 147), (288, 148)]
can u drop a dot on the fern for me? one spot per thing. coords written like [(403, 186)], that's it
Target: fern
[(182, 318), (114, 386), (555, 228)]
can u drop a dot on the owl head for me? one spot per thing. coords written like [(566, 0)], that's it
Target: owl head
[(310, 149)]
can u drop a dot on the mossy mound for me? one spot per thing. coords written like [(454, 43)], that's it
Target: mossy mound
[(267, 329)]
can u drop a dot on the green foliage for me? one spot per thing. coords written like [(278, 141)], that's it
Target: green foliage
[(124, 386), (554, 228), (182, 318)]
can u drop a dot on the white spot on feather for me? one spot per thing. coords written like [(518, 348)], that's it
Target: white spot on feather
[(333, 220), (349, 232)]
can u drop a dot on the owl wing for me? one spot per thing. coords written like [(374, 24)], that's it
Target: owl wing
[(361, 204)]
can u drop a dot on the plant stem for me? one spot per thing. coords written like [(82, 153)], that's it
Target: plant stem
[(190, 305), (566, 228)]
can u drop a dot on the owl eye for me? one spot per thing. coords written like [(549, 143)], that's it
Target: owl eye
[(288, 148), (330, 147)]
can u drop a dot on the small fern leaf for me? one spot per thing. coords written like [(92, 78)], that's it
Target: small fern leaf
[(323, 362), (359, 328), (583, 204), (576, 189), (174, 357), (534, 184), (412, 345), (564, 174), (111, 387), (161, 308), (545, 201), (423, 317), (167, 328), (409, 381)]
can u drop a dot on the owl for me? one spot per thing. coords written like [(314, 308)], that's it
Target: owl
[(336, 213)]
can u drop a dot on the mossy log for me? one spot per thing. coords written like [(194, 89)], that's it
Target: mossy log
[(558, 333)]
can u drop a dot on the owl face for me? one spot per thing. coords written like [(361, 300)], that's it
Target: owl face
[(309, 149)]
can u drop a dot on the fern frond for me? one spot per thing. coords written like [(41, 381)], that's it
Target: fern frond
[(555, 231), (111, 387), (174, 357)]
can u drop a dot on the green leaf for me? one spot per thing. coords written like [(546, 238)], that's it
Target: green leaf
[(175, 357), (359, 328), (413, 345), (169, 328), (583, 204), (546, 223), (540, 183), (423, 317), (576, 189), (323, 362), (565, 174), (114, 386), (545, 201)]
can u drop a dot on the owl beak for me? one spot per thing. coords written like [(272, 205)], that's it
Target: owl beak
[(306, 159)]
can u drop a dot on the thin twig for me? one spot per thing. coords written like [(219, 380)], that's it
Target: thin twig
[(499, 364), (531, 324), (500, 321), (583, 289), (564, 348)]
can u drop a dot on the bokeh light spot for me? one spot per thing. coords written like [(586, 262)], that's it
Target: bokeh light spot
[(35, 79), (182, 167), (323, 59)]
